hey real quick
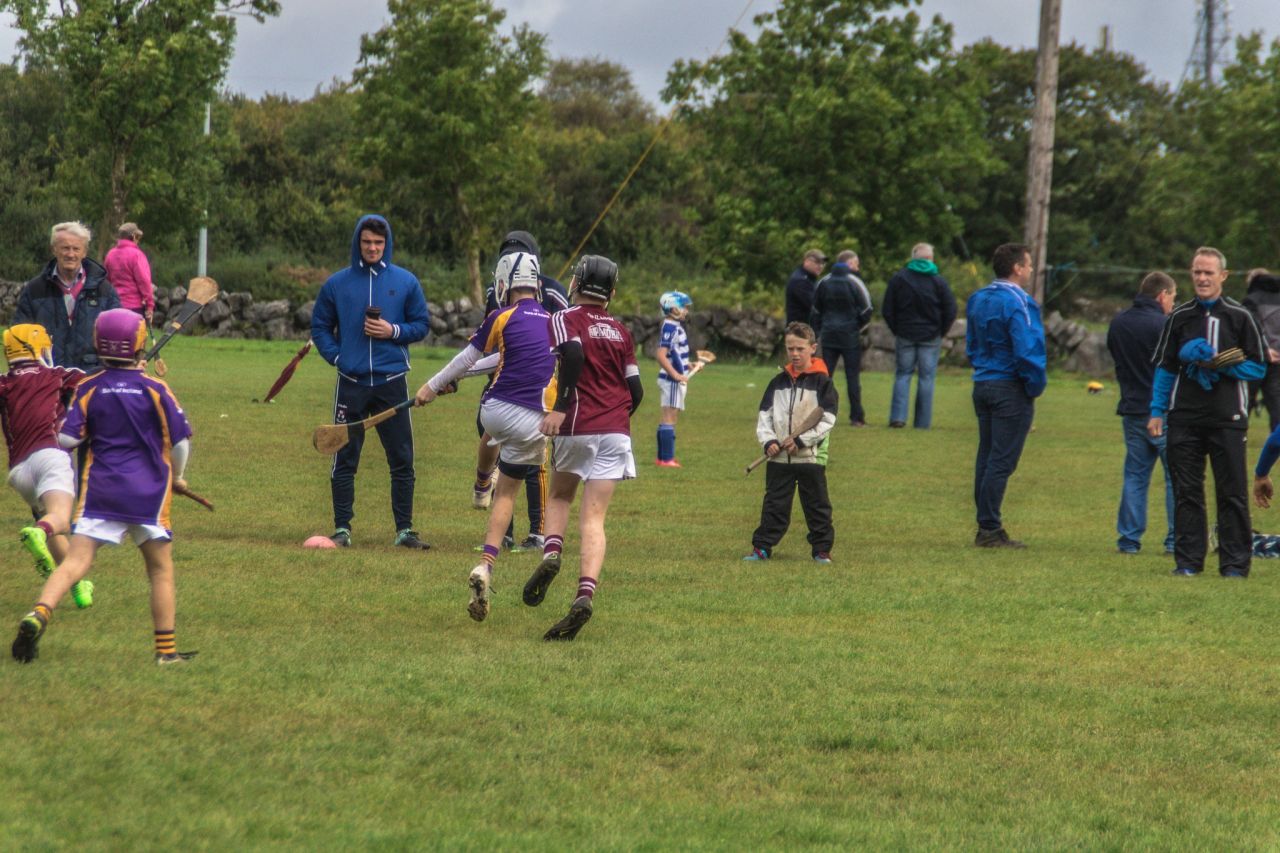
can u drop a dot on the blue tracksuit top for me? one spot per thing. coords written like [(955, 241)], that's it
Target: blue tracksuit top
[(1004, 338), (337, 322)]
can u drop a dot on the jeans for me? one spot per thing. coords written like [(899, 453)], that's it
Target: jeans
[(852, 358), (913, 357), (1004, 418), (1141, 453)]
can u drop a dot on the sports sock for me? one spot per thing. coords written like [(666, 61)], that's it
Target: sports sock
[(46, 527), (586, 588), (552, 545), (483, 479), (165, 642), (490, 556), (666, 442), (43, 610)]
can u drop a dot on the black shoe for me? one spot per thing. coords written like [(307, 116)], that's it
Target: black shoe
[(540, 581), (997, 538), (897, 424), (174, 657), (1184, 572), (341, 537), (1235, 573), (30, 630), (409, 539), (568, 627)]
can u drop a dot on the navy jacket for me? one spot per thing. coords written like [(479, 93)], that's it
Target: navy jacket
[(841, 307), (41, 302), (800, 295), (917, 306), (337, 323), (1132, 340)]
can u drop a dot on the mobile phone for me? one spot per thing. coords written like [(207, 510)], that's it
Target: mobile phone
[(373, 312)]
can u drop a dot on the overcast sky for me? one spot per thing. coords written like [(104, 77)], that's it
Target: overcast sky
[(314, 41)]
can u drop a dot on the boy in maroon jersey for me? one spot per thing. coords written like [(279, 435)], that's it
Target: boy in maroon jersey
[(33, 399), (590, 424)]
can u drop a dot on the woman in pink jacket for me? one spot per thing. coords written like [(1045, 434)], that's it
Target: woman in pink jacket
[(129, 272)]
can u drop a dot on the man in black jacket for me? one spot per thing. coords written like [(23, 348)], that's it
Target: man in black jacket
[(800, 286), (841, 309), (1132, 340), (919, 309), (67, 297), (1263, 298)]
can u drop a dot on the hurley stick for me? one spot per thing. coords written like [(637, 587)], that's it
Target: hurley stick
[(705, 357), (201, 292), (330, 438), (180, 489), (810, 421)]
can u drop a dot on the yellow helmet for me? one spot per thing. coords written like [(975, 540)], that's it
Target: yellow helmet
[(1094, 387), (28, 341)]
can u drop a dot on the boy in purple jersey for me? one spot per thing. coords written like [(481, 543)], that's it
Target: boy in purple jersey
[(512, 407), (138, 441)]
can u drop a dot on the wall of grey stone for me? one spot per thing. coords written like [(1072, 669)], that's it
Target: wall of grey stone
[(733, 333)]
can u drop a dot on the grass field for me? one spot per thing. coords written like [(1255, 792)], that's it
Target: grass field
[(919, 693)]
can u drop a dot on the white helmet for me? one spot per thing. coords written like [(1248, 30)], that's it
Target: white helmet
[(516, 271), (674, 300)]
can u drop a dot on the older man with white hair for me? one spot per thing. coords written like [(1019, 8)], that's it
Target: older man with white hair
[(67, 297), (919, 309)]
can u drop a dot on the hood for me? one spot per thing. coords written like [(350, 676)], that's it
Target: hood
[(1265, 283), (356, 261), (816, 365)]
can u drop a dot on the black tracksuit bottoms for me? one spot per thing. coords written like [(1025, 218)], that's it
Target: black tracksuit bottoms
[(780, 484), (1187, 447), (355, 402)]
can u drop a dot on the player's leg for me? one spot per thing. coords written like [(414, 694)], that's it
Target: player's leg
[(564, 487), (79, 559), (157, 555), (816, 505), (596, 495), (775, 510), (500, 512), (535, 493)]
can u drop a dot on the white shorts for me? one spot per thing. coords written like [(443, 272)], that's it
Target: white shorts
[(515, 430), (671, 394), (594, 457), (113, 532), (47, 470)]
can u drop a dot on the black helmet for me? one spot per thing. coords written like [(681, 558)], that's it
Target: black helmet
[(595, 276), (518, 241)]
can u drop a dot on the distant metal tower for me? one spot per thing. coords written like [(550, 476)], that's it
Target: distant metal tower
[(1213, 37)]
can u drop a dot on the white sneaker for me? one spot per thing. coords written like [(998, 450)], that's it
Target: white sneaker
[(481, 498), (479, 581)]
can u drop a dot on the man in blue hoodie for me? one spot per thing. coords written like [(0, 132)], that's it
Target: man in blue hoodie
[(1004, 340), (364, 320)]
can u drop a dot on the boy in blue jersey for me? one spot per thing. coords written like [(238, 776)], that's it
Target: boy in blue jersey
[(513, 406), (673, 376)]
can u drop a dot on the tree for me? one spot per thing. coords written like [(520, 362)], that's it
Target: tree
[(833, 127), (137, 75), (445, 101)]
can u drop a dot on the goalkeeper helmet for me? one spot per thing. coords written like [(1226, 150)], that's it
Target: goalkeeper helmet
[(595, 276), (119, 335), (517, 271), (28, 341), (674, 300)]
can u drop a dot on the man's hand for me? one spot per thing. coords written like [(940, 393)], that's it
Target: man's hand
[(551, 423), (683, 378), (1272, 355), (378, 328), (1155, 427), (789, 445), (772, 449), (1263, 491), (150, 316), (425, 395)]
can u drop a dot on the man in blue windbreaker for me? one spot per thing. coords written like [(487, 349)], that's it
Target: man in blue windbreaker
[(364, 320), (1004, 340)]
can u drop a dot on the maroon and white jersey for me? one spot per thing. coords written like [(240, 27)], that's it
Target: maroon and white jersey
[(602, 401), (33, 399)]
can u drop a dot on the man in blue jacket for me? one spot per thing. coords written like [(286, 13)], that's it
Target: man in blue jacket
[(1132, 339), (364, 320), (1004, 340)]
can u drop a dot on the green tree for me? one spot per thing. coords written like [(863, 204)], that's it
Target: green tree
[(445, 102), (136, 75), (837, 125)]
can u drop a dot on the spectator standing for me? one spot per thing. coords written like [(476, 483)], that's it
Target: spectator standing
[(841, 310), (130, 273), (1263, 299), (1004, 340), (801, 284), (919, 309), (67, 297), (1132, 339)]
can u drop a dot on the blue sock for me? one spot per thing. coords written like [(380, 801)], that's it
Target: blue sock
[(666, 442)]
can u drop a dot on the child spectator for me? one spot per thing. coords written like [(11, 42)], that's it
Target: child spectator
[(138, 441), (673, 378), (800, 461)]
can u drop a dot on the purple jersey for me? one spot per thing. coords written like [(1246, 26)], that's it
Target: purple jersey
[(131, 422), (521, 334)]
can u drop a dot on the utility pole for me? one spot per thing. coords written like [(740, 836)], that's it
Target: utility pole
[(1040, 156), (202, 259), (1213, 37), (1209, 12)]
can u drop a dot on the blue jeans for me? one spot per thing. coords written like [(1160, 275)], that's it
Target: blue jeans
[(1141, 453), (1004, 418), (913, 357)]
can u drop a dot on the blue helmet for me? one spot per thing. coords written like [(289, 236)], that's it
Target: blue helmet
[(673, 300)]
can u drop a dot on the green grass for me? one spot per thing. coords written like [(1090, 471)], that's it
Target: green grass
[(918, 693)]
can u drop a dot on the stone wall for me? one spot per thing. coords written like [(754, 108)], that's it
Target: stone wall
[(732, 333)]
